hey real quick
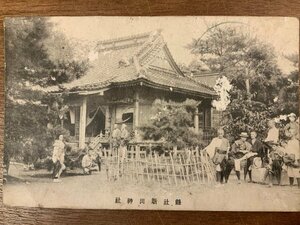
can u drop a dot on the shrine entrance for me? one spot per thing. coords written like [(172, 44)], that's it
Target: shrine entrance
[(95, 123)]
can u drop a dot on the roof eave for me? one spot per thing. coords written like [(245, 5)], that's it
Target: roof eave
[(145, 82)]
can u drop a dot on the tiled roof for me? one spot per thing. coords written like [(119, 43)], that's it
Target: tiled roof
[(140, 57), (207, 78), (106, 69), (178, 82)]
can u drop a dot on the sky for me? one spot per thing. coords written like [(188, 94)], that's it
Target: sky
[(281, 32)]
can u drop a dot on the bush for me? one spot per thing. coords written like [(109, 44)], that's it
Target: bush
[(172, 122), (53, 134), (45, 163), (39, 150)]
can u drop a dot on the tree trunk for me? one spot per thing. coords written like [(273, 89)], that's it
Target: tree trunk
[(247, 82), (248, 87)]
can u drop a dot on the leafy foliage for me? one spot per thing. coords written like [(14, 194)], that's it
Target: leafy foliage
[(230, 51), (31, 65), (252, 69), (172, 122)]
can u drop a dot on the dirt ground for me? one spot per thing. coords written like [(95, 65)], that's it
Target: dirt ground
[(36, 189)]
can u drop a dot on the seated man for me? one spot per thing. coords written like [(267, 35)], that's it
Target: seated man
[(238, 150), (87, 163), (256, 151)]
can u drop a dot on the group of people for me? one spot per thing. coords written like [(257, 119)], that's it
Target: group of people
[(120, 139), (249, 152), (91, 161)]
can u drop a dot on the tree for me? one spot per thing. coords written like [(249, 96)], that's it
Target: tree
[(287, 99), (30, 65), (252, 69), (244, 60), (172, 122)]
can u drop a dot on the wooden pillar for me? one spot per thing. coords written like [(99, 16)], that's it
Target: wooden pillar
[(82, 123), (112, 117), (136, 110), (212, 124), (77, 122), (196, 120), (107, 118)]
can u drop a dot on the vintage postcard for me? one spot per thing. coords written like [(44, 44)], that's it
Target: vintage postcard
[(168, 113)]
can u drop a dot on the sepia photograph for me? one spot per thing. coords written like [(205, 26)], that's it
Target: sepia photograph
[(152, 113)]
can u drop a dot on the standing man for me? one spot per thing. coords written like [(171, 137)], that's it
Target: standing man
[(218, 152), (238, 150), (124, 133), (124, 142), (58, 158), (271, 143), (116, 138)]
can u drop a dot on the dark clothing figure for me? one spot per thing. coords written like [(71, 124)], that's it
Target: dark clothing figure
[(56, 168), (235, 156), (98, 161), (257, 147), (274, 166)]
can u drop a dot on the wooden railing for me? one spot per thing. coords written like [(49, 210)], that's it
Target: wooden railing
[(139, 148)]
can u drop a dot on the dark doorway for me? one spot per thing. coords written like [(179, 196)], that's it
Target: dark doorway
[(97, 125)]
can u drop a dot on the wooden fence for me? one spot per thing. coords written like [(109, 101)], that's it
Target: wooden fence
[(182, 168)]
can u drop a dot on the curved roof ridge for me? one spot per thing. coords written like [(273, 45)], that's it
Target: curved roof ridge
[(125, 38), (154, 37), (150, 45)]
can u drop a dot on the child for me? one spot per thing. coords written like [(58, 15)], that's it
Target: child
[(292, 125), (292, 151)]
